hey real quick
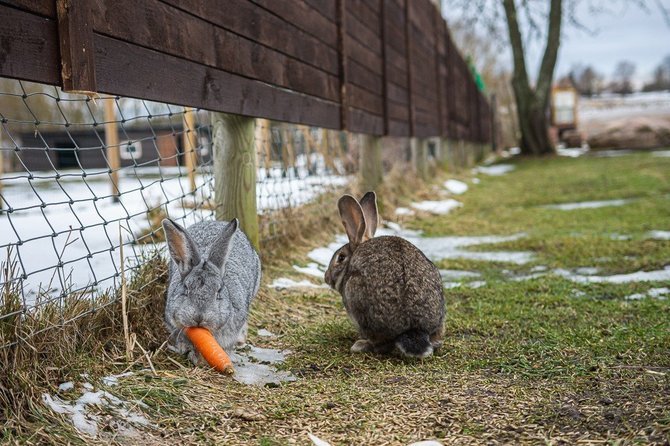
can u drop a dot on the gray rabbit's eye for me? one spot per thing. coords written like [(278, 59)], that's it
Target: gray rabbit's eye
[(341, 257)]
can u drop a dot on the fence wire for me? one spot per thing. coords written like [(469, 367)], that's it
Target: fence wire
[(80, 176)]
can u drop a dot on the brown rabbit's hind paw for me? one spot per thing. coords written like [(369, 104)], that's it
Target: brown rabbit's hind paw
[(361, 346)]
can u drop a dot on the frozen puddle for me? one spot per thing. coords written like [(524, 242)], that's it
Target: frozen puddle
[(654, 293), (587, 204), (495, 170), (456, 187), (659, 235), (79, 411), (254, 366), (438, 248)]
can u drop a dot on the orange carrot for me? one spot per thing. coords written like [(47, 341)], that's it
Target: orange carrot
[(204, 342)]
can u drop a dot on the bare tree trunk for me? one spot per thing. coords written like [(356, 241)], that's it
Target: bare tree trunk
[(532, 103)]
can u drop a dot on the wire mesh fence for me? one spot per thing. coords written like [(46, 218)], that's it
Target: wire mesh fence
[(81, 176)]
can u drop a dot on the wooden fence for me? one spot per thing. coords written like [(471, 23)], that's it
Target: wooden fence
[(380, 67)]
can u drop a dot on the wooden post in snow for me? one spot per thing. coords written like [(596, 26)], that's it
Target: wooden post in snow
[(189, 145), (112, 145), (419, 147), (235, 171), (370, 158)]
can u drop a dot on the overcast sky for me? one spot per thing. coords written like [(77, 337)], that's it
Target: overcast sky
[(626, 32)]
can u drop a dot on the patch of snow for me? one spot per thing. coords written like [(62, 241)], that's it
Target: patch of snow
[(617, 236), (87, 386), (659, 235), (438, 248), (514, 150), (587, 204), (404, 211), (113, 380), (456, 187), (312, 269), (437, 207), (661, 153), (654, 293), (476, 284), (612, 153), (639, 276), (476, 180), (572, 152), (456, 274), (317, 441), (64, 387), (525, 277), (285, 282), (538, 268), (587, 270), (266, 333), (496, 169), (254, 366), (86, 422)]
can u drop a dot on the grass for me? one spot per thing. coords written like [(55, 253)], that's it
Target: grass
[(540, 361)]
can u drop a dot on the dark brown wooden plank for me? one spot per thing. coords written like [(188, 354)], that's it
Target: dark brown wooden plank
[(397, 111), (130, 70), (170, 30), (361, 121), (397, 94), (364, 100), (302, 15), (45, 8), (363, 12), (370, 39), (29, 47), (248, 20), (363, 55), (75, 35), (361, 76), (327, 8), (398, 128)]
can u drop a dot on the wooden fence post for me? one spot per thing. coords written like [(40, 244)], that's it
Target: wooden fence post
[(419, 147), (2, 170), (370, 157), (235, 171), (189, 145), (112, 145)]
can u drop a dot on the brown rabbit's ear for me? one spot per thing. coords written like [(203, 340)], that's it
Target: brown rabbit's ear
[(352, 219), (369, 206)]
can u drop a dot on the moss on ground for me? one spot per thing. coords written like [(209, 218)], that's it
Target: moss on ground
[(538, 361)]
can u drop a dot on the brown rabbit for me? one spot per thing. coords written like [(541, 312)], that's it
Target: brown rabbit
[(392, 293)]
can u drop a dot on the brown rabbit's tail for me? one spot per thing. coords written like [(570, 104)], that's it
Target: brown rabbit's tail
[(415, 344)]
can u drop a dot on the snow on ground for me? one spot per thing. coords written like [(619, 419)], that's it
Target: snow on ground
[(654, 293), (456, 187), (659, 235), (404, 211), (73, 222), (610, 106), (661, 153), (254, 366), (587, 204), (638, 276), (312, 269), (495, 170), (441, 207), (266, 333), (437, 248), (571, 152), (284, 283), (81, 415)]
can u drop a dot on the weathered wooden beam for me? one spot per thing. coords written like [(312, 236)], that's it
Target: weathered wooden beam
[(75, 36), (371, 169), (190, 144), (112, 145), (235, 171)]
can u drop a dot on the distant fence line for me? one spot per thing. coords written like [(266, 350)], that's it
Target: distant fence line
[(380, 67)]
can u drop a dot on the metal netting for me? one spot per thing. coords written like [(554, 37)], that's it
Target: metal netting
[(80, 176)]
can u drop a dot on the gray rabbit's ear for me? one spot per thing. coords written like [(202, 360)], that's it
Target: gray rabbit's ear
[(369, 206), (218, 253), (352, 219), (183, 249)]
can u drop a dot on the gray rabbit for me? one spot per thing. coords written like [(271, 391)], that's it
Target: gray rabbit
[(214, 275), (391, 291)]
